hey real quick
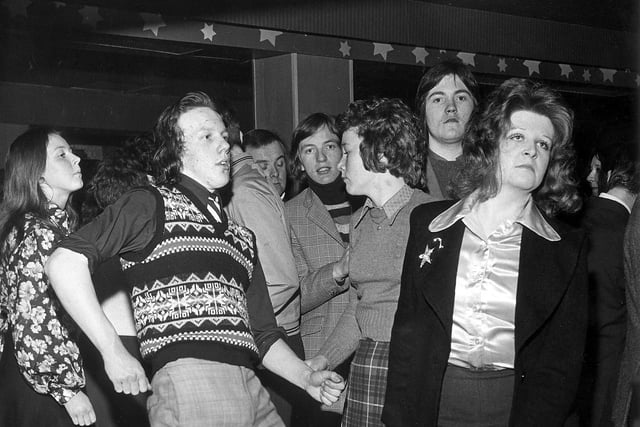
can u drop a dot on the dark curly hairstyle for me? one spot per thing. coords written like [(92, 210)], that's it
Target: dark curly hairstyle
[(306, 128), (617, 149), (388, 128), (432, 77), (622, 161), (169, 137), (481, 146), (127, 167)]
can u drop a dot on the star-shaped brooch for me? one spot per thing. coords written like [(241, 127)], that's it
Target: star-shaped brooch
[(426, 255)]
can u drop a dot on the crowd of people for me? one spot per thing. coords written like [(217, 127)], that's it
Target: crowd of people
[(436, 267)]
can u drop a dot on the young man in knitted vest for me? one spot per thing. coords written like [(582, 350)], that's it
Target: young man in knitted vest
[(200, 301)]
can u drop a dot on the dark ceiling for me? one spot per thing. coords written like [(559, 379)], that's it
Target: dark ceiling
[(621, 15), (160, 67)]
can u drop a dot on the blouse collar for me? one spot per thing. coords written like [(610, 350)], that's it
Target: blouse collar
[(530, 217)]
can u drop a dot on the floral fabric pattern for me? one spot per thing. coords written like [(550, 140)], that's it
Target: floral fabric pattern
[(44, 347)]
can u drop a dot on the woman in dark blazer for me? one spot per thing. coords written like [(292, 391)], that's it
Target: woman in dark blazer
[(492, 315)]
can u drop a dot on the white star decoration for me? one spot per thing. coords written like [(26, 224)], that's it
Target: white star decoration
[(533, 66), (207, 32), (345, 49), (586, 75), (565, 70), (467, 58), (90, 15), (270, 36), (152, 22), (502, 65), (426, 255), (382, 49), (607, 74), (421, 54)]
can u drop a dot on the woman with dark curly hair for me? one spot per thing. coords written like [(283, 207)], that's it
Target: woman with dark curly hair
[(492, 315), (382, 153)]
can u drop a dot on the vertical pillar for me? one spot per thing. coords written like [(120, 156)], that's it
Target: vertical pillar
[(287, 88)]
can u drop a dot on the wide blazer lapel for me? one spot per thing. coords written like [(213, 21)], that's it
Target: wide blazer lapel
[(318, 214), (437, 278), (546, 269)]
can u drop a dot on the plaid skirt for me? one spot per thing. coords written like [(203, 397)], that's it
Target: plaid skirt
[(367, 385)]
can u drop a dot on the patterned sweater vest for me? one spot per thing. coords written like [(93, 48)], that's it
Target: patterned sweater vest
[(190, 285)]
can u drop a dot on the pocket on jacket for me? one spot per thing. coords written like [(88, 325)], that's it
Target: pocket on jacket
[(311, 325)]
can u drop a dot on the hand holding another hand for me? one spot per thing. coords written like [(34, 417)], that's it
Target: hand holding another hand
[(341, 267), (325, 386), (317, 363)]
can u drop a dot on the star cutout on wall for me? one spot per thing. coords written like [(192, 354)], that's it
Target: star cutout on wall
[(565, 70), (607, 74), (270, 36), (467, 58), (502, 65), (532, 66), (17, 7), (421, 54), (345, 49), (442, 51), (586, 75), (382, 49), (90, 15), (152, 22), (207, 32)]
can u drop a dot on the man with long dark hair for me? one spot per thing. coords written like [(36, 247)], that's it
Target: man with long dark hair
[(199, 296), (446, 98)]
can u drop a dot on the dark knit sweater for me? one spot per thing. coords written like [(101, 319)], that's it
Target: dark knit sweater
[(189, 287)]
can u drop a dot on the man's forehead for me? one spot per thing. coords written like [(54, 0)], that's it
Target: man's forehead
[(273, 149), (200, 118)]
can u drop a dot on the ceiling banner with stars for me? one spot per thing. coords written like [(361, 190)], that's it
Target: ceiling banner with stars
[(27, 13)]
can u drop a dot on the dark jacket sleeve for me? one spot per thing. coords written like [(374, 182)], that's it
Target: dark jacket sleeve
[(263, 321), (401, 398)]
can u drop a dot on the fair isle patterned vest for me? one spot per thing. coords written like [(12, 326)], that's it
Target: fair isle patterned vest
[(190, 285)]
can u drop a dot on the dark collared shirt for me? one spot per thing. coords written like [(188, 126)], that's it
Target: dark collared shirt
[(130, 225)]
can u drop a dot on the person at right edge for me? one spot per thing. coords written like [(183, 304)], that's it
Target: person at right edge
[(492, 313), (604, 219)]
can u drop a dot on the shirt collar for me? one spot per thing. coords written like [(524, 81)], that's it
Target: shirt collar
[(392, 207), (195, 187), (245, 161), (436, 156), (238, 161), (530, 217), (615, 199)]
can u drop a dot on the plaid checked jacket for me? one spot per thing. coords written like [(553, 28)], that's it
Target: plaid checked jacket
[(316, 244)]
